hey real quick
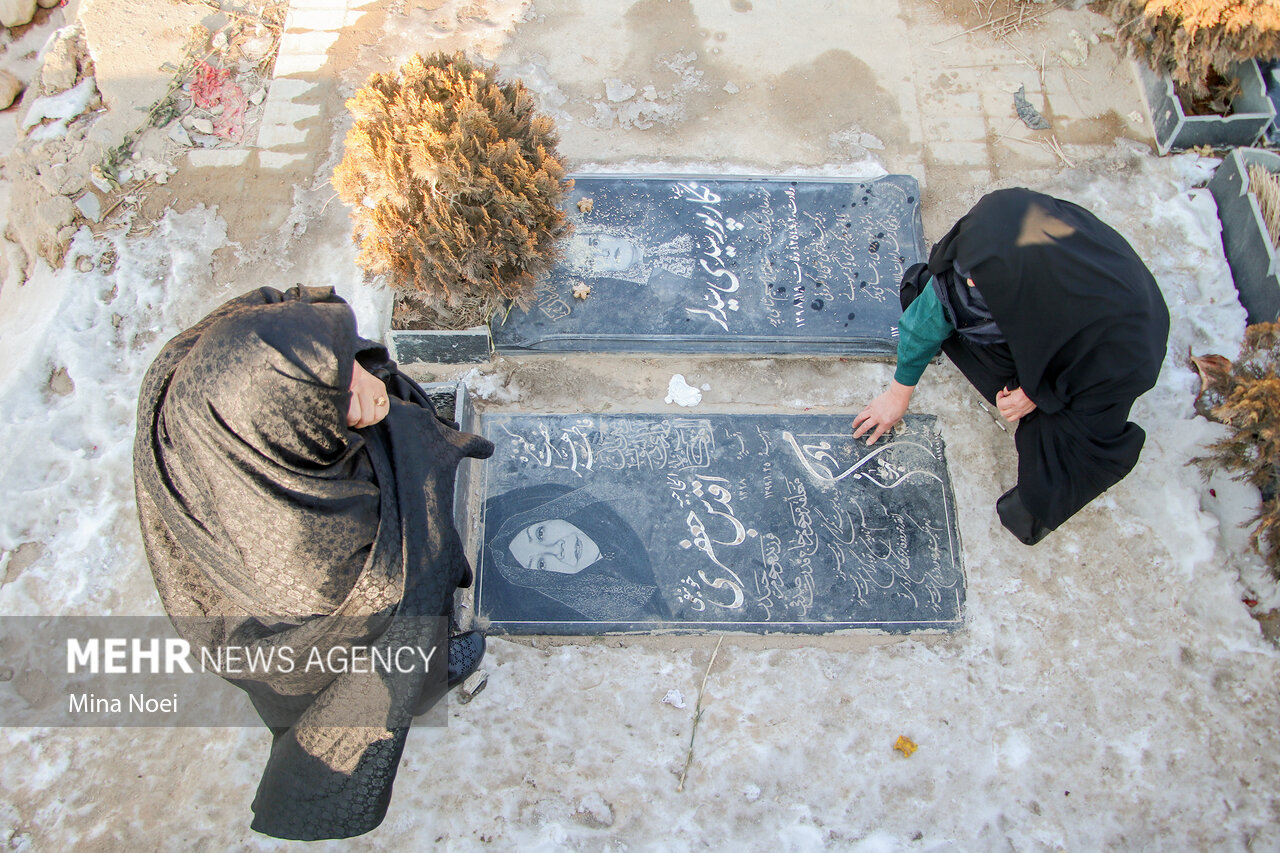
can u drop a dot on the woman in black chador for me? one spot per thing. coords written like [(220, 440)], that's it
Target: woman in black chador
[(1057, 322), (296, 493)]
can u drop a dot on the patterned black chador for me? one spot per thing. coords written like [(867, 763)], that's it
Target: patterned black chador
[(276, 516)]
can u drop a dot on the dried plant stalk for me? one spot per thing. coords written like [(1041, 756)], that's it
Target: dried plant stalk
[(1187, 38), (455, 187), (1265, 186), (1250, 405)]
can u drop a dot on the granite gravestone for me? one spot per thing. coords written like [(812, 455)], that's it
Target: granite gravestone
[(760, 265), (643, 522)]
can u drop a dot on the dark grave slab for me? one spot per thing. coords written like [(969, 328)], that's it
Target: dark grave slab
[(465, 346), (646, 522), (725, 265)]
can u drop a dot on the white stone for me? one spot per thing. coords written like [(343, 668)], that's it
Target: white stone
[(198, 125), (255, 48), (10, 88), (15, 13), (99, 180), (179, 134), (90, 206)]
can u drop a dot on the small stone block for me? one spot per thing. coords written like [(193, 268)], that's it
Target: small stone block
[(286, 112), (299, 63), (206, 157), (278, 160), (465, 346), (475, 682), (287, 89), (315, 19), (280, 135), (293, 44), (961, 153)]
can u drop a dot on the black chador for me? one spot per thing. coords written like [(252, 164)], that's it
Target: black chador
[(271, 525), (1085, 329)]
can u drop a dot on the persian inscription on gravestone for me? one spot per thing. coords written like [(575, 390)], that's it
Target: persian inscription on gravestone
[(764, 265), (595, 523)]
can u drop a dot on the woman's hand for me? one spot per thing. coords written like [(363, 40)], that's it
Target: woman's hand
[(369, 403), (1014, 405), (883, 412)]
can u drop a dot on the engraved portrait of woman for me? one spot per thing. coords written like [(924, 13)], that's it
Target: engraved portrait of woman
[(553, 553)]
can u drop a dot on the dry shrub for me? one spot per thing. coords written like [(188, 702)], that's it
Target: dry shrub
[(1265, 186), (1248, 392), (455, 188), (1187, 38)]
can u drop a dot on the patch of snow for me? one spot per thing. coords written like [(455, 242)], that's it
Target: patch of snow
[(682, 393), (489, 386), (62, 108)]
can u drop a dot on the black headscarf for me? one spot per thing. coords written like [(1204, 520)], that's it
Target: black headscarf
[(619, 587), (1087, 326), (269, 523)]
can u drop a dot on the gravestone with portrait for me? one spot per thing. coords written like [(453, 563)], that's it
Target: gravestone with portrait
[(645, 522), (732, 265)]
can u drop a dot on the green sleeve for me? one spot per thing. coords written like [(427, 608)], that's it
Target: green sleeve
[(921, 330)]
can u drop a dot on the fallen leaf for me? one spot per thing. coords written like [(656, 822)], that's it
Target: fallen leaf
[(581, 290), (905, 745), (585, 205)]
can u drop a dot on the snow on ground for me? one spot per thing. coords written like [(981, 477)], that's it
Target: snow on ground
[(1109, 690)]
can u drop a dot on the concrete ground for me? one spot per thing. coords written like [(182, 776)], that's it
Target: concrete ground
[(923, 87)]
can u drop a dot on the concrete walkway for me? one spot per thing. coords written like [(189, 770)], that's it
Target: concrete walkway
[(1098, 697)]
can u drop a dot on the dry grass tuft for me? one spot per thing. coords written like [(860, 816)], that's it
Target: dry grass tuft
[(455, 187), (1265, 186), (1188, 38), (1249, 395)]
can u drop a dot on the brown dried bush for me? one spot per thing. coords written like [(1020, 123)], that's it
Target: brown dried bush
[(1188, 38), (455, 188), (1265, 186), (1246, 394)]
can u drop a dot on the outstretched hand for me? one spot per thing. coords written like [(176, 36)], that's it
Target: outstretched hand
[(883, 412), (1014, 405), (368, 403)]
